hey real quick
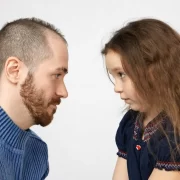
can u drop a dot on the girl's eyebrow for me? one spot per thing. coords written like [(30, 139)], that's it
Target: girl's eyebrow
[(115, 69)]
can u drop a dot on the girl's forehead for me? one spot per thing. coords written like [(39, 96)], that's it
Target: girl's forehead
[(113, 61)]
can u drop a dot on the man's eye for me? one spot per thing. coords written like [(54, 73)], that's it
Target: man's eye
[(57, 75)]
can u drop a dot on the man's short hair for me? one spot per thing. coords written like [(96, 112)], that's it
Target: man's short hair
[(26, 39)]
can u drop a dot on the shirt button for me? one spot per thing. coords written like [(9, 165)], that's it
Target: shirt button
[(138, 147)]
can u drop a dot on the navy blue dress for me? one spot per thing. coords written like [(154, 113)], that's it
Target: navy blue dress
[(152, 152)]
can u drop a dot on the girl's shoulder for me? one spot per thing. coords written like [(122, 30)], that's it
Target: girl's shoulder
[(126, 125), (163, 145), (125, 131), (128, 119)]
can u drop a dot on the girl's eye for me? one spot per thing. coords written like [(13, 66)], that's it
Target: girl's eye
[(122, 75)]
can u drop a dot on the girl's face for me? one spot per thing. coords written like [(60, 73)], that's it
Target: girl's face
[(122, 83)]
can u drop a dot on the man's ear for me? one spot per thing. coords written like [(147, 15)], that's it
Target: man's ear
[(12, 69)]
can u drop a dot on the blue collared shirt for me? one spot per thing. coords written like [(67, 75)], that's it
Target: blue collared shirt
[(23, 155)]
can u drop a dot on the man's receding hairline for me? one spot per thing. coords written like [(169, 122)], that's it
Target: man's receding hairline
[(34, 39), (50, 33)]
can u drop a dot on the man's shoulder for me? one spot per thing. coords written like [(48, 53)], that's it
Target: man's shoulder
[(36, 136), (37, 143)]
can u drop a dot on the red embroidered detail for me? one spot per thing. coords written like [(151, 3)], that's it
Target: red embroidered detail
[(122, 154), (150, 129), (136, 127), (168, 165)]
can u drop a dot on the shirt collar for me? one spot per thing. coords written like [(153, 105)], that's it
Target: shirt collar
[(151, 127), (10, 133)]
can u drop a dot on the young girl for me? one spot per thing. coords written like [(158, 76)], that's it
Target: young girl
[(144, 60)]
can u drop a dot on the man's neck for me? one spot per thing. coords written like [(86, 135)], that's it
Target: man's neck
[(18, 114)]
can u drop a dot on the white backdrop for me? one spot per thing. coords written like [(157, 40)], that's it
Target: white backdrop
[(81, 137)]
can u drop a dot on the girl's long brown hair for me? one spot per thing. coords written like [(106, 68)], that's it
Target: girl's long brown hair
[(150, 51)]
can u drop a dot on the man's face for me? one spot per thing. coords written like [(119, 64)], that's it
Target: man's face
[(42, 91)]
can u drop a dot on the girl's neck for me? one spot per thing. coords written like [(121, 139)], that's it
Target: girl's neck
[(149, 116)]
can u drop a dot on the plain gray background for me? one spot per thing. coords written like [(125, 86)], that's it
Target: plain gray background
[(81, 138)]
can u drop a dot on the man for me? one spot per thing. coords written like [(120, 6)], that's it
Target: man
[(33, 63)]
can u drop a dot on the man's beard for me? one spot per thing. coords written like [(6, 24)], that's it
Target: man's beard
[(35, 100)]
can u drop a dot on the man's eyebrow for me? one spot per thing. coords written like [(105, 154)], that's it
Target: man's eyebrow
[(62, 69)]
